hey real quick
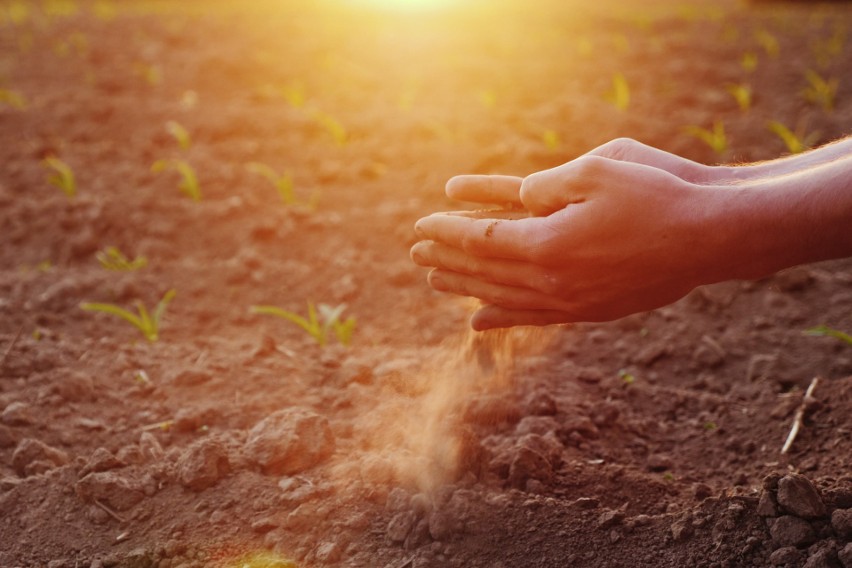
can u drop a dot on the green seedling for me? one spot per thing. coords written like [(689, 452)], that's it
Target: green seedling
[(715, 138), (626, 377), (768, 42), (317, 329), (12, 99), (619, 94), (331, 125), (749, 61), (112, 258), (820, 91), (189, 181), (283, 183), (741, 94), (551, 139), (147, 323), (825, 50), (62, 175), (179, 133), (825, 331), (795, 142)]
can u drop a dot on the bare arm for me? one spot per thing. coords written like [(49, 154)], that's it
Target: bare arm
[(633, 231)]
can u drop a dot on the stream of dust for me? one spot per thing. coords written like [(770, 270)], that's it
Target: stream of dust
[(417, 438)]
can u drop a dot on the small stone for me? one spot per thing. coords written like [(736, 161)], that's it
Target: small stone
[(203, 464), (845, 555), (841, 522), (400, 526), (682, 529), (529, 464), (798, 496), (823, 557), (18, 414), (102, 460), (791, 531), (30, 452), (786, 555), (586, 503), (766, 505), (609, 518), (111, 489), (441, 525), (290, 441)]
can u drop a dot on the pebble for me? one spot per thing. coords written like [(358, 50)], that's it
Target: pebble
[(400, 526), (841, 522), (529, 464), (659, 462), (33, 456), (290, 441), (824, 557), (798, 496), (791, 531), (203, 464), (102, 460), (682, 529), (609, 518), (111, 489), (766, 506), (786, 555)]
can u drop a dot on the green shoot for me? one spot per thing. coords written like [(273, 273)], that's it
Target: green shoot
[(179, 133), (741, 94), (825, 331), (283, 185), (13, 99), (825, 50), (619, 94), (749, 61), (551, 139), (343, 330), (768, 42), (189, 181), (715, 138), (795, 142), (332, 126), (62, 176), (112, 258), (626, 377), (820, 91), (148, 324)]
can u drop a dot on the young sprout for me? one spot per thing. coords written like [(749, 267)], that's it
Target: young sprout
[(768, 42), (317, 329), (619, 94), (825, 331), (825, 50), (62, 175), (795, 142), (13, 99), (332, 126), (551, 139), (179, 133), (741, 94), (112, 258), (147, 323), (189, 181), (820, 91), (749, 61), (716, 138)]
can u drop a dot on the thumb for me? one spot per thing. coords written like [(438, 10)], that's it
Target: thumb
[(549, 191)]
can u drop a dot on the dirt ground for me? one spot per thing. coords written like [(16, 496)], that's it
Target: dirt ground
[(238, 441)]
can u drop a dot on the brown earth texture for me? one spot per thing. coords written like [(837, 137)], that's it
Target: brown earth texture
[(262, 153)]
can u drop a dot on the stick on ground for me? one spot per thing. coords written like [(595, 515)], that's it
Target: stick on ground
[(800, 415)]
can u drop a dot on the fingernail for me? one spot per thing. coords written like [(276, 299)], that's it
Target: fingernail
[(417, 258), (436, 282)]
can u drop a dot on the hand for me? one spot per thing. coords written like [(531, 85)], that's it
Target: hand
[(609, 238)]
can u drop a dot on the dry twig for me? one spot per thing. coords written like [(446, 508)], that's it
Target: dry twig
[(11, 345), (109, 511), (800, 415)]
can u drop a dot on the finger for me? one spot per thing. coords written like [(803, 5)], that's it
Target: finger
[(512, 297), (512, 214), (492, 317), (629, 150), (496, 270), (498, 190), (493, 238)]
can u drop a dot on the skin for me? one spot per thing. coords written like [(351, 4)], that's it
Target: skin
[(628, 228)]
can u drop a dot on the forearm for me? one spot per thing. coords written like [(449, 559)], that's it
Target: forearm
[(784, 166), (776, 222)]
